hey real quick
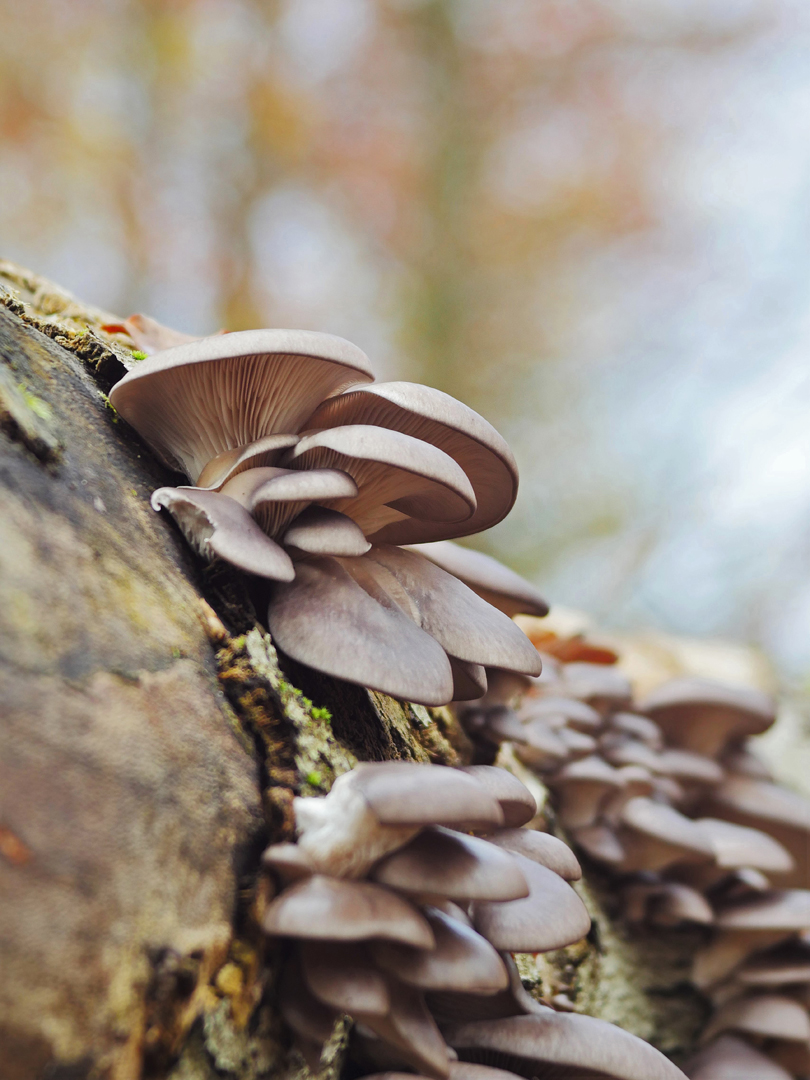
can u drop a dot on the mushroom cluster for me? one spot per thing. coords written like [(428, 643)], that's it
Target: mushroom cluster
[(399, 905), (667, 794), (303, 474)]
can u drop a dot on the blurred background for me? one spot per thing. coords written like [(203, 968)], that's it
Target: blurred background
[(588, 219)]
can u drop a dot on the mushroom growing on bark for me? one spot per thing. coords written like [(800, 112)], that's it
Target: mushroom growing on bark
[(304, 477)]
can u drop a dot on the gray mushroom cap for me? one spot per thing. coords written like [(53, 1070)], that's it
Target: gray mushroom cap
[(558, 1045), (493, 581), (215, 524), (703, 715), (736, 847), (328, 909), (309, 1018), (429, 414), (230, 463), (655, 835), (516, 801), (344, 978), (551, 916), (461, 960), (541, 848), (411, 1029), (197, 400), (730, 1058), (319, 531), (785, 965), (770, 1016), (440, 862)]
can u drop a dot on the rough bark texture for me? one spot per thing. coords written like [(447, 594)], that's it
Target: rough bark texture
[(151, 743)]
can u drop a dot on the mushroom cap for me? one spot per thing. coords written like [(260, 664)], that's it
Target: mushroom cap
[(289, 861), (672, 904), (215, 524), (319, 531), (785, 965), (493, 581), (780, 909), (602, 686), (567, 712), (558, 1045), (230, 463), (655, 835), (551, 916), (600, 842), (515, 800), (730, 1058), (770, 1016), (466, 1070), (150, 336), (737, 847), (328, 909), (639, 727), (400, 478), (689, 767), (461, 960), (581, 787), (194, 401), (464, 625), (343, 977), (456, 1006), (408, 793), (439, 862), (326, 620), (541, 848), (309, 1018), (469, 680), (703, 715), (426, 413)]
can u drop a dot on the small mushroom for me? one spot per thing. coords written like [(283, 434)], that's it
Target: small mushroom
[(559, 1045), (551, 916), (599, 685), (666, 903), (654, 836), (705, 716), (541, 848), (730, 1058), (581, 788)]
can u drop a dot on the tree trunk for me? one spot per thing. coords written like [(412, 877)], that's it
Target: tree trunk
[(151, 744)]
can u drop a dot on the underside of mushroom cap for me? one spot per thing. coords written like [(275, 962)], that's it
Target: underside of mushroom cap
[(399, 478), (560, 1045), (493, 581), (426, 413), (215, 524), (195, 401), (230, 463)]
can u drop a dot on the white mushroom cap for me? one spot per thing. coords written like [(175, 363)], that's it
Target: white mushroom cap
[(429, 414), (195, 401), (730, 1058), (703, 715), (215, 524), (493, 581), (560, 1045)]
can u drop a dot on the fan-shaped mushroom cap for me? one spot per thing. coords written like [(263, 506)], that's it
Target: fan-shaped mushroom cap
[(151, 336), (783, 966), (702, 715), (541, 848), (429, 414), (466, 1070), (289, 861), (730, 1058), (638, 727), (326, 620), (461, 960), (620, 750), (602, 686), (581, 788), (275, 496), (407, 793), (667, 903), (654, 835), (551, 916), (743, 760), (411, 1029), (561, 712), (463, 624), (214, 525), (783, 814), (736, 847), (327, 909), (229, 463), (515, 800), (319, 531), (771, 1016), (399, 477), (344, 977), (457, 1006), (559, 1045), (493, 581), (600, 842), (195, 401), (689, 767), (439, 862)]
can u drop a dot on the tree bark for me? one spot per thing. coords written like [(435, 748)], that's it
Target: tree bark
[(151, 744)]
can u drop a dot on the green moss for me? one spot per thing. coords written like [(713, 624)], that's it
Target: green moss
[(37, 406), (138, 355)]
